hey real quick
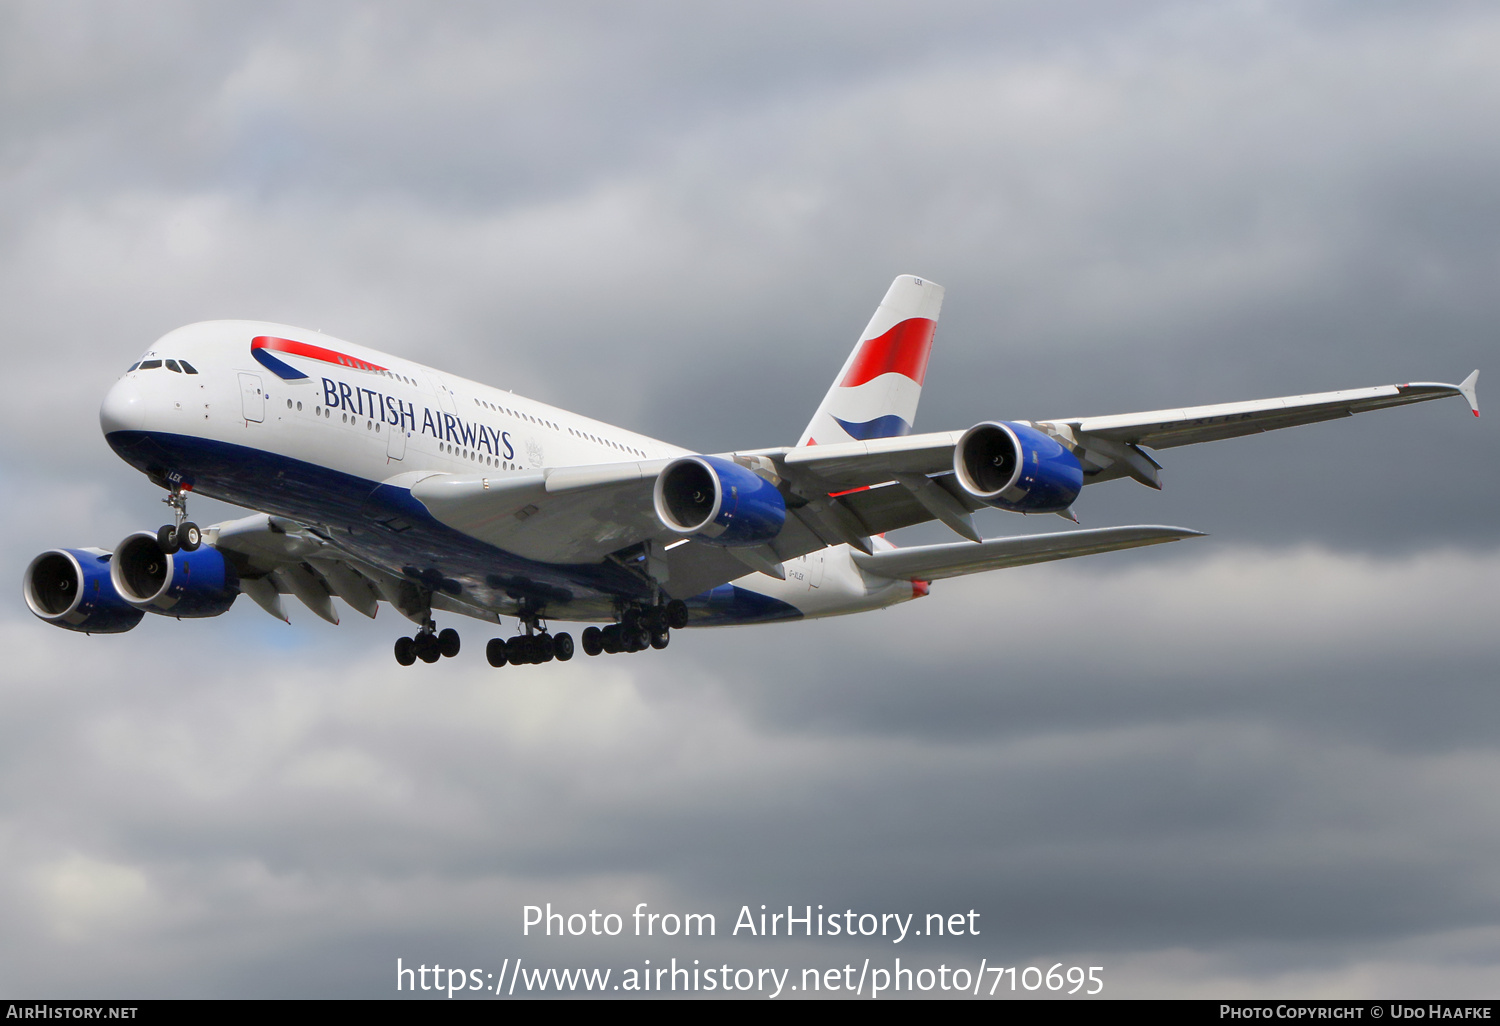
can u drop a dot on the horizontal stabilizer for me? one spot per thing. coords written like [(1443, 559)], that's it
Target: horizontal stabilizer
[(935, 562)]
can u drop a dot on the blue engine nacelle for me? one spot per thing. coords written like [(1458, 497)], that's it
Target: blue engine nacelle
[(71, 588), (198, 583), (718, 501), (1015, 467)]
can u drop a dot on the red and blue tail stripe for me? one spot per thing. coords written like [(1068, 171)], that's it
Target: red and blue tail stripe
[(902, 350), (889, 426), (875, 394)]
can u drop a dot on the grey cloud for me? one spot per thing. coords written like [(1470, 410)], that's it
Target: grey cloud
[(342, 805)]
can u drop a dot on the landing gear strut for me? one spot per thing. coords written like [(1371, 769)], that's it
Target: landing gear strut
[(181, 534)]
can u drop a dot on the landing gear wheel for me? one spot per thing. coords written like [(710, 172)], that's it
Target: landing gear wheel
[(593, 643), (427, 648), (660, 639), (447, 642), (677, 614), (562, 646), (495, 652), (405, 653), (187, 536), (609, 637), (545, 648), (166, 539), (518, 651)]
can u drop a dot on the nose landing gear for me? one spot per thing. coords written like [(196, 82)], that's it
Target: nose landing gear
[(182, 534)]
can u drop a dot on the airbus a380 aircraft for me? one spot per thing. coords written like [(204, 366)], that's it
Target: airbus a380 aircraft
[(379, 479)]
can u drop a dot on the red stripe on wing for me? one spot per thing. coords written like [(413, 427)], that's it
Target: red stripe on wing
[(902, 350)]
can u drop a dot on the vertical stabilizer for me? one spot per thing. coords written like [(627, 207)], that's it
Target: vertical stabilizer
[(875, 394)]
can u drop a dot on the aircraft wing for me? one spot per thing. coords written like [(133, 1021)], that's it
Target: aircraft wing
[(1112, 442), (1109, 446), (839, 493), (1163, 429), (935, 562), (558, 515), (275, 557)]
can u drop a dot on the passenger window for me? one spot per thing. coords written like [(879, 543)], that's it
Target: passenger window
[(150, 364), (187, 367)]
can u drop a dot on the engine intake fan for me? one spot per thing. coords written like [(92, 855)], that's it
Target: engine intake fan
[(71, 588), (1015, 467), (188, 584), (718, 501)]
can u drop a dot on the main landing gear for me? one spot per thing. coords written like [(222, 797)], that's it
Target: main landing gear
[(182, 535), (535, 646), (637, 630), (429, 645)]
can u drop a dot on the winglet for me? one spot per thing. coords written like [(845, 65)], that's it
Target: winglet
[(1467, 387)]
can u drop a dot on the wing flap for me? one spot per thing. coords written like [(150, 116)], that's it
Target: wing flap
[(276, 557), (935, 562), (888, 507)]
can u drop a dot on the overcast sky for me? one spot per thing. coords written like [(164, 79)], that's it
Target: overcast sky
[(1260, 763)]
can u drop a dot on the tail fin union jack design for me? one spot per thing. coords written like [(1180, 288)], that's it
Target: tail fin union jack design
[(876, 393)]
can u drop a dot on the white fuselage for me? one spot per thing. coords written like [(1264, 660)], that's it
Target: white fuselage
[(366, 417)]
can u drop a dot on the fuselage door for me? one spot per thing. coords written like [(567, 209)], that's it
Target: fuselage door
[(815, 569), (444, 395), (395, 442), (252, 399)]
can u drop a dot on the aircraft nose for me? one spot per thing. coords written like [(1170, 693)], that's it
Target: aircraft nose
[(124, 408)]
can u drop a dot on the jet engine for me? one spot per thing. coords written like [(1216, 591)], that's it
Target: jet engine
[(1015, 467), (185, 584), (718, 501), (71, 588)]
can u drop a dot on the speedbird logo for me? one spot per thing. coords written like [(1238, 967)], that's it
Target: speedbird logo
[(262, 346)]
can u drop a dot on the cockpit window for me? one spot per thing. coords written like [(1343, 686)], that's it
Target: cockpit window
[(150, 364), (172, 366), (133, 366), (188, 367)]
